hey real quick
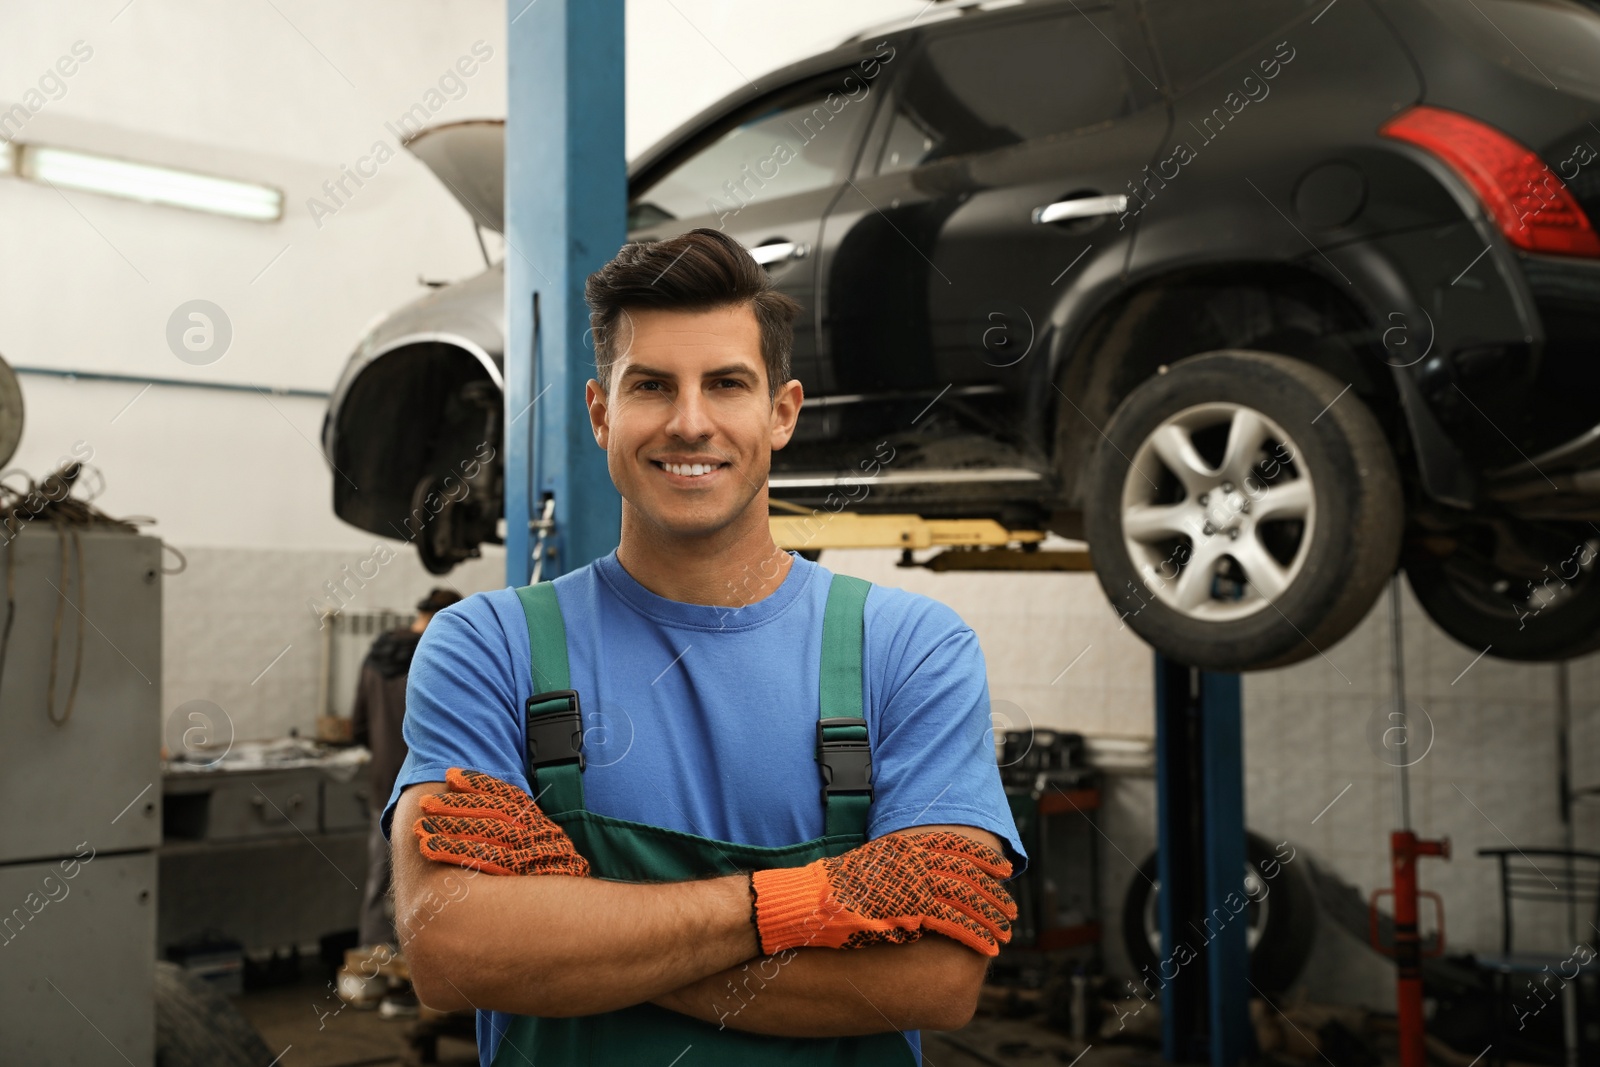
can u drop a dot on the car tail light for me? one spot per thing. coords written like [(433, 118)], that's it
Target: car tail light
[(1527, 201)]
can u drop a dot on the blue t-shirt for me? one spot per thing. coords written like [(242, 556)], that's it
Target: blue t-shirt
[(703, 718)]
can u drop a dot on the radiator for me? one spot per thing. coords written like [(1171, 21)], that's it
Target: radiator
[(346, 638)]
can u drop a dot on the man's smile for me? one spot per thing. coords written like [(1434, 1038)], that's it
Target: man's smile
[(686, 474)]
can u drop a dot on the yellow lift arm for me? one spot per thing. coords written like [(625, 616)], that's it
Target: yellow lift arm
[(970, 544)]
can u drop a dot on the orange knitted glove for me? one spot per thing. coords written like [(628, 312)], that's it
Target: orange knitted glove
[(888, 891), (491, 825)]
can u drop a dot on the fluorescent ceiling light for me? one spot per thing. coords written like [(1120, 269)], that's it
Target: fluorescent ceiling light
[(8, 158), (151, 184)]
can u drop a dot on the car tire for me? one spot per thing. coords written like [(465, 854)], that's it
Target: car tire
[(1282, 930), (1243, 510), (197, 1026), (1487, 611)]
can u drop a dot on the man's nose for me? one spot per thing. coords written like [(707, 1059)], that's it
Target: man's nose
[(691, 416)]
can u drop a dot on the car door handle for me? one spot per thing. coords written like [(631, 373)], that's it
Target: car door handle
[(777, 252), (1081, 207)]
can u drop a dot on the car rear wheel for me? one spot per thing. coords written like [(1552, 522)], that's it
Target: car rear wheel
[(1551, 612), (1243, 510)]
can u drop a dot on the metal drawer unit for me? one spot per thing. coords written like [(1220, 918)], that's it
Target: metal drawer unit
[(344, 804), (239, 805)]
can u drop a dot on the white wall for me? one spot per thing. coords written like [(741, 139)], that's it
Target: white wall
[(1483, 765)]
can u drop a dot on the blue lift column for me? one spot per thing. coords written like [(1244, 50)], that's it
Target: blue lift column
[(566, 215), (1204, 963)]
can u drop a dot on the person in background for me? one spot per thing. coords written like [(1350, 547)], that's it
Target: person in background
[(380, 708)]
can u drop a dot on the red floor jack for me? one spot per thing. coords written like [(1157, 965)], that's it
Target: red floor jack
[(1404, 849)]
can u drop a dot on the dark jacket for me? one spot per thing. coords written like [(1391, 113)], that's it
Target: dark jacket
[(380, 707)]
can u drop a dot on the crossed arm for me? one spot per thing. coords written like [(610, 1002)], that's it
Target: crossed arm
[(558, 946)]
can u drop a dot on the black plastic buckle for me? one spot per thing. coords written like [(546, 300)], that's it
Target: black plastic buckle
[(555, 735), (846, 765)]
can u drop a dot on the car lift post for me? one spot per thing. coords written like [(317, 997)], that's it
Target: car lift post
[(1204, 964), (566, 214)]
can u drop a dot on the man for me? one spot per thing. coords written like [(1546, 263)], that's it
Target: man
[(375, 721), (698, 655)]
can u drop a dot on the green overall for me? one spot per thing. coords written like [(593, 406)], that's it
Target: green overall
[(638, 852)]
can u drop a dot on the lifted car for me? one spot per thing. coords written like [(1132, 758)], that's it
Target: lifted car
[(1261, 298)]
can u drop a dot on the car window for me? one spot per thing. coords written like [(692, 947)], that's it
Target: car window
[(786, 148), (1194, 42), (909, 142), (975, 90)]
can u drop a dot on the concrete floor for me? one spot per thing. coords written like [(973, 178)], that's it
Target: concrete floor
[(312, 1027)]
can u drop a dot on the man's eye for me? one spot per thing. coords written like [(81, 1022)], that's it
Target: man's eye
[(720, 381)]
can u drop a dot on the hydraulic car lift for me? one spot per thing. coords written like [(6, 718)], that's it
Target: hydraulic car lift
[(566, 182), (970, 544), (566, 214), (1205, 999)]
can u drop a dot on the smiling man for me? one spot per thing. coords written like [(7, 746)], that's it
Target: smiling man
[(786, 836)]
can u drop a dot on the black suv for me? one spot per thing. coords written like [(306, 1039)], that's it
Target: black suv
[(1260, 298)]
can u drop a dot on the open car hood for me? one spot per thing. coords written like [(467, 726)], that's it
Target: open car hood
[(469, 157)]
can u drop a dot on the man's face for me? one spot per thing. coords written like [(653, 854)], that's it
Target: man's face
[(688, 392)]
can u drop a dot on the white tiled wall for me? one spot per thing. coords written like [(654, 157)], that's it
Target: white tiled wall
[(1489, 779), (1054, 647), (232, 612)]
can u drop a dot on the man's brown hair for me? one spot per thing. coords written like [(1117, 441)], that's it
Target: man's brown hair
[(695, 271)]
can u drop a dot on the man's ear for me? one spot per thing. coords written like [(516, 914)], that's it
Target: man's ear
[(786, 411), (595, 397)]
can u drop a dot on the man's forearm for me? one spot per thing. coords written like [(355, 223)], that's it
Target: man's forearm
[(558, 946), (931, 984)]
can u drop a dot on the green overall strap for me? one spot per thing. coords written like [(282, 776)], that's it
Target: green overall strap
[(558, 787), (847, 792)]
